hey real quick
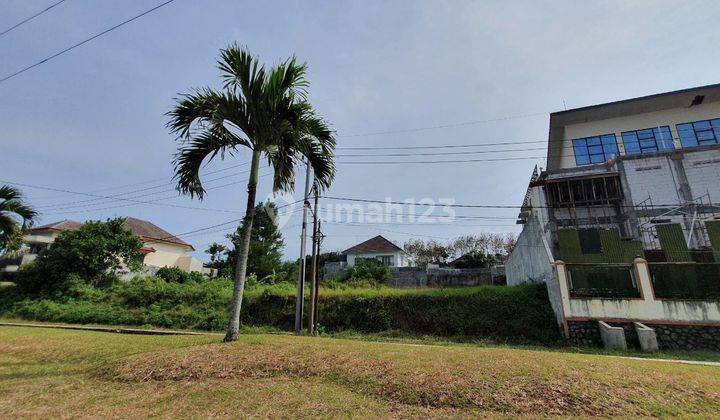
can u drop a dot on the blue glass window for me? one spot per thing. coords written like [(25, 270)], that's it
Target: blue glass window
[(648, 140), (699, 133), (596, 149)]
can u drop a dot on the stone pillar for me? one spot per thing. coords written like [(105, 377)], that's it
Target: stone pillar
[(644, 281)]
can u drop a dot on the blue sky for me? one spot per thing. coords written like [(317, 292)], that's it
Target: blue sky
[(94, 119)]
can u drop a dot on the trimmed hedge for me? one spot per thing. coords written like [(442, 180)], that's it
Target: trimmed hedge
[(513, 314)]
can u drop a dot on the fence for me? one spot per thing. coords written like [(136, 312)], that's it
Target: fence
[(602, 281), (687, 281)]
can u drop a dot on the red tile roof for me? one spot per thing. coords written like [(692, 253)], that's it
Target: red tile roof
[(141, 228), (376, 244)]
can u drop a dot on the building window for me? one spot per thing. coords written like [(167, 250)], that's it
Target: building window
[(589, 191), (699, 133), (386, 259), (648, 140), (596, 149)]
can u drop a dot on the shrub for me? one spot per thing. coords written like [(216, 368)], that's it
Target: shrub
[(513, 314), (176, 275), (368, 269)]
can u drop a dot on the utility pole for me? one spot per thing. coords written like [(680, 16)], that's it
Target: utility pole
[(301, 275), (317, 283), (314, 269)]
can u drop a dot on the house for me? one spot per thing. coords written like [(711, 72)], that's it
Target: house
[(161, 249), (378, 248), (624, 223)]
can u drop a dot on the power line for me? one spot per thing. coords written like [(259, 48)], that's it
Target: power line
[(72, 47), (85, 208), (396, 162), (84, 203), (471, 152), (150, 181), (444, 146), (224, 223), (119, 199), (30, 18), (436, 127), (479, 206)]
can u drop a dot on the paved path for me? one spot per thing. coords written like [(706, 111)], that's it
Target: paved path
[(119, 330)]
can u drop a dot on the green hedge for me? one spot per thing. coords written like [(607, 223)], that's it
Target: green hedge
[(515, 314)]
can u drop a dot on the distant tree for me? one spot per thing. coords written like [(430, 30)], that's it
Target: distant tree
[(266, 243), (427, 252), (494, 245), (474, 259), (368, 269), (261, 110), (215, 250), (15, 215), (89, 253)]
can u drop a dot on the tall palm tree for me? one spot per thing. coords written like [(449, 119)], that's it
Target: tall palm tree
[(14, 214), (261, 110)]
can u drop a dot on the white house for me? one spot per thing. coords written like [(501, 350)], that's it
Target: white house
[(378, 248), (161, 248)]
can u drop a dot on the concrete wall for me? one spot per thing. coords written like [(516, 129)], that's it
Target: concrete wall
[(531, 260), (669, 117), (416, 277)]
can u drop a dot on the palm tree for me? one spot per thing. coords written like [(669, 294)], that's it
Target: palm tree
[(264, 111), (14, 214)]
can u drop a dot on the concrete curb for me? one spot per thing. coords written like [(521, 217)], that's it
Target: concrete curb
[(117, 330)]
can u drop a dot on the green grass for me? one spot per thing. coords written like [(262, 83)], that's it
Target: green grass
[(58, 373)]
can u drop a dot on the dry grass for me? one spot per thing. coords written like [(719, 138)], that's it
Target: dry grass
[(62, 373)]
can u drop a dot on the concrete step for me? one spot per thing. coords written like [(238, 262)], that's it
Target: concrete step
[(612, 337), (646, 337)]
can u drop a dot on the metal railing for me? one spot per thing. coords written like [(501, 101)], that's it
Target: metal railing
[(611, 281), (686, 280)]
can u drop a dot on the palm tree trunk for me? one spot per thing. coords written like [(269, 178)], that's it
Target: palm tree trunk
[(243, 249)]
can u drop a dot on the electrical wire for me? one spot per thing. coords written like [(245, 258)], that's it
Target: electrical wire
[(22, 22), (72, 47)]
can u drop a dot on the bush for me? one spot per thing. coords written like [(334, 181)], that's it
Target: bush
[(368, 269), (176, 275), (513, 314)]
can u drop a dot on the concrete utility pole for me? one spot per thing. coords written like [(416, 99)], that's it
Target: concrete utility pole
[(317, 274), (301, 275), (314, 269)]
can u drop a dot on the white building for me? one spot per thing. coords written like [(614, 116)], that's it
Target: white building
[(629, 195), (161, 249), (378, 248)]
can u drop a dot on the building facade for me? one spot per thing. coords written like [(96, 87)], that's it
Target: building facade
[(624, 223), (160, 248), (380, 249)]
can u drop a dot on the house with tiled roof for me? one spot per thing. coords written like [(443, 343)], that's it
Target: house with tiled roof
[(160, 247), (378, 248)]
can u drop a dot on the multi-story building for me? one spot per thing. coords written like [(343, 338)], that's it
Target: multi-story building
[(627, 184)]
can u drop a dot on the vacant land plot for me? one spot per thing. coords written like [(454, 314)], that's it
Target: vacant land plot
[(77, 373)]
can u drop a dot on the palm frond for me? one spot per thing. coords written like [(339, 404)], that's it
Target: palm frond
[(202, 148)]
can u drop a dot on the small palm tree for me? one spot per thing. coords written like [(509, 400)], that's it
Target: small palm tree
[(14, 214), (261, 110)]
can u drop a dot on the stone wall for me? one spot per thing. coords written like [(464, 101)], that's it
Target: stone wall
[(452, 277), (416, 277), (669, 336)]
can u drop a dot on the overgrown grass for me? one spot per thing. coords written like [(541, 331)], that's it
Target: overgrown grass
[(112, 375), (507, 314)]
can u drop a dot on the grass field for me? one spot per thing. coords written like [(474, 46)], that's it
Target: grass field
[(61, 373)]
